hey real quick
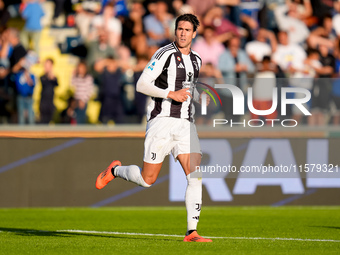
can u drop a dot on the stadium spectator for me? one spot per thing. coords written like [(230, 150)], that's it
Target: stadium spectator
[(4, 70), (4, 16), (296, 29), (111, 79), (82, 83), (288, 56), (321, 94), (180, 7), (264, 83), (133, 35), (233, 10), (209, 48), (250, 14), (48, 82), (321, 8), (63, 7), (17, 61), (336, 18), (5, 52), (234, 64), (201, 7), (111, 25), (259, 48), (323, 35), (222, 26), (85, 12), (32, 12), (99, 49), (58, 8), (4, 99), (140, 99), (68, 115), (302, 10), (157, 26), (304, 78), (25, 83), (336, 86)]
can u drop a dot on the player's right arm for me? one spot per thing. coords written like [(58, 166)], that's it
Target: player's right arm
[(146, 85)]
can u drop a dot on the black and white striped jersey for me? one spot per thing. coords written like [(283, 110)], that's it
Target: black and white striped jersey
[(172, 71)]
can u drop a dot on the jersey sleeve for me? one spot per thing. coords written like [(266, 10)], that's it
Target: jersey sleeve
[(156, 65)]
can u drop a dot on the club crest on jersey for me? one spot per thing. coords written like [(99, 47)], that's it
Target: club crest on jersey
[(196, 65), (151, 67), (179, 58)]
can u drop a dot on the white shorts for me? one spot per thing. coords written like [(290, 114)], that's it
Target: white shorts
[(168, 134)]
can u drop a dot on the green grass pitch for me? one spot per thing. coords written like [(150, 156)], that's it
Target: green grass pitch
[(242, 230)]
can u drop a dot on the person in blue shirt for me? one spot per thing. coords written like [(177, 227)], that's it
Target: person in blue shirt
[(336, 87), (25, 83), (32, 13)]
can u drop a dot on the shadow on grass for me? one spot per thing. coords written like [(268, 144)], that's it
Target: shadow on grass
[(331, 227), (48, 233)]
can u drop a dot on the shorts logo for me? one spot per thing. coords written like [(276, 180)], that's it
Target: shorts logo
[(151, 67), (153, 155), (198, 208)]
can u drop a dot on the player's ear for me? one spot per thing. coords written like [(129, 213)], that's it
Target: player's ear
[(194, 35)]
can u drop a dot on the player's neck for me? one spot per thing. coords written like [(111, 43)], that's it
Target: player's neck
[(184, 50)]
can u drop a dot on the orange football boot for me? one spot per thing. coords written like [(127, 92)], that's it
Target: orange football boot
[(194, 237), (106, 176)]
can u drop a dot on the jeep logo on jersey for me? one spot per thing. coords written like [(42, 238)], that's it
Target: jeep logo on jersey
[(189, 82), (190, 75)]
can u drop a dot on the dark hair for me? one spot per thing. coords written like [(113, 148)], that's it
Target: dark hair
[(190, 18), (311, 51), (266, 58), (209, 27), (82, 62), (50, 60)]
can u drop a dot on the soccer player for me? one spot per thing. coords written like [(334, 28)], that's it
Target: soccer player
[(169, 80)]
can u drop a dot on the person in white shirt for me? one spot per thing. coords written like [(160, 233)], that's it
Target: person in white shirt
[(296, 29), (288, 56), (109, 23), (259, 48)]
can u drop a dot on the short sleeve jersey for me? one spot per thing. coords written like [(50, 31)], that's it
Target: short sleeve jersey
[(171, 70)]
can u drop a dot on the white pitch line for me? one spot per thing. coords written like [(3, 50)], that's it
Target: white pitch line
[(213, 237)]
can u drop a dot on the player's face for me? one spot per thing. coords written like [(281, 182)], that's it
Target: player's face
[(184, 34)]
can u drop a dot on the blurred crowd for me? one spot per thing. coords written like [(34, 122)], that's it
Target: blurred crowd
[(263, 44)]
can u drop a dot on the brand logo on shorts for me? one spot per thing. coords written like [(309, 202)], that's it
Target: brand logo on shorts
[(153, 155), (198, 208)]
